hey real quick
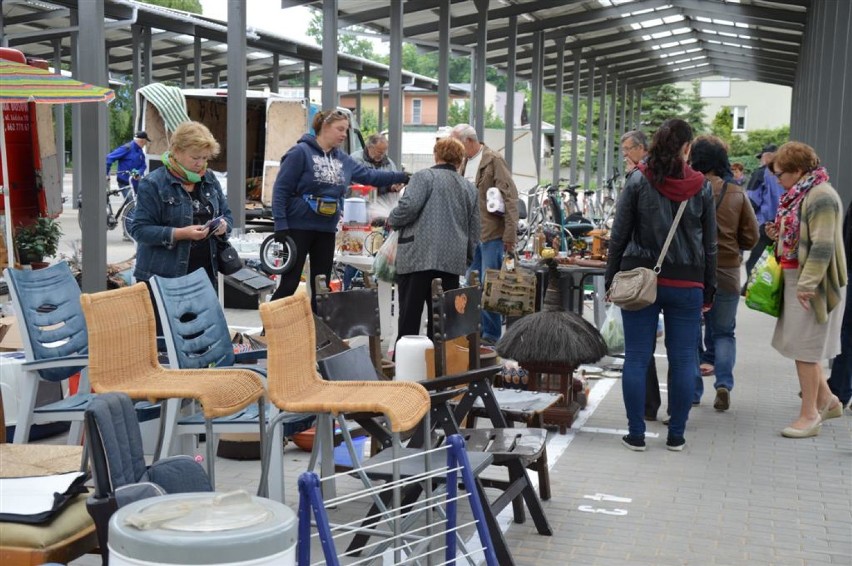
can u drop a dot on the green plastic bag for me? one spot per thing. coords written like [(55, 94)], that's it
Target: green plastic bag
[(765, 290)]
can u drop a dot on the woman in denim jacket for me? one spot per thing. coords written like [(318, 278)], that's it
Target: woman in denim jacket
[(174, 205)]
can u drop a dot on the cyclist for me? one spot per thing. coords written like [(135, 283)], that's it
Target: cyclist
[(131, 158)]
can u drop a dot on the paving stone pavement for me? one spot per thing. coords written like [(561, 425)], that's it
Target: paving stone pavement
[(739, 493)]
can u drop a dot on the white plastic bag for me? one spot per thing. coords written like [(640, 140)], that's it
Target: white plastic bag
[(384, 264), (613, 330)]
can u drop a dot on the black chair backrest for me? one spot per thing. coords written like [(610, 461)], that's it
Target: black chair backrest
[(455, 314), (114, 442), (352, 313)]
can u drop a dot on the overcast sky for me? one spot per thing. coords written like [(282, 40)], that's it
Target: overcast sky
[(267, 15)]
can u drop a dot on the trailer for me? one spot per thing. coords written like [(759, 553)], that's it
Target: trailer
[(274, 123)]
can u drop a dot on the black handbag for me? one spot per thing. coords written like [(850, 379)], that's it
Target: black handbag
[(229, 260)]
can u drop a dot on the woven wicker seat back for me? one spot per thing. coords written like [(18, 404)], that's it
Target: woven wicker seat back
[(294, 384), (123, 357)]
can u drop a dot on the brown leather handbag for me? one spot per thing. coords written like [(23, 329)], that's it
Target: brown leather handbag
[(635, 289)]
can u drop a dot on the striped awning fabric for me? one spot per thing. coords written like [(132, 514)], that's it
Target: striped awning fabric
[(23, 83)]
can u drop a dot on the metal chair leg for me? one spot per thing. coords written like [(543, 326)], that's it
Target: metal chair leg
[(211, 451)]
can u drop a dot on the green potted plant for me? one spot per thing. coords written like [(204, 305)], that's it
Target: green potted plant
[(38, 240)]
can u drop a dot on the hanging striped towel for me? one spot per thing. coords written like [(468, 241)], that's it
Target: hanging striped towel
[(169, 101)]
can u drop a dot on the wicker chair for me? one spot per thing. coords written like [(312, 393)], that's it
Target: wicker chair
[(123, 358), (294, 384)]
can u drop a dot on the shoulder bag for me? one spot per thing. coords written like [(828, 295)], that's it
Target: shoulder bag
[(635, 289), (229, 261)]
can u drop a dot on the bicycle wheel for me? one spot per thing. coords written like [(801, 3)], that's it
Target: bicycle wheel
[(126, 219), (277, 258)]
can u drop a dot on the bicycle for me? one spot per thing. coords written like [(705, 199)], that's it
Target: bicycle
[(124, 216), (547, 211)]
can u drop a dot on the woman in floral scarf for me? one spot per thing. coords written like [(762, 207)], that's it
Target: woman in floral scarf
[(810, 250)]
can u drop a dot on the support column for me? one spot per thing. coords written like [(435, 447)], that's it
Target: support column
[(638, 124), (443, 62), (381, 105), (509, 113), (359, 83), (329, 54), (237, 111), (92, 65), (602, 129), (557, 121), (395, 102), (535, 115), (276, 73), (590, 126), (575, 116), (196, 62), (479, 65), (59, 113), (136, 44), (306, 80), (610, 128), (148, 56), (631, 118), (76, 120)]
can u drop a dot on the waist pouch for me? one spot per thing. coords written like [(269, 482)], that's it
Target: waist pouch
[(324, 206)]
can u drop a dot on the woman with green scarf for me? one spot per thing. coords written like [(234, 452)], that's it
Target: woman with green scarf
[(175, 206)]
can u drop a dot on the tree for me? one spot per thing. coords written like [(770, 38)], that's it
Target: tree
[(659, 104), (460, 113), (193, 6), (723, 124), (695, 108), (348, 43)]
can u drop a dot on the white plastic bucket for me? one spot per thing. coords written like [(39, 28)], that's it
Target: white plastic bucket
[(233, 529), (411, 358), (355, 211)]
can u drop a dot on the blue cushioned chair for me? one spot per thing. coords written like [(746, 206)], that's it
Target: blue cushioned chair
[(197, 336), (53, 332)]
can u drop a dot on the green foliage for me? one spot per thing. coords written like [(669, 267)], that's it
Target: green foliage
[(659, 104), (348, 43), (39, 239), (695, 108), (193, 6), (460, 114), (723, 124), (369, 123), (121, 115)]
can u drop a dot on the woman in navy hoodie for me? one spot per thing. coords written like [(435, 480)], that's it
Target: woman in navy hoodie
[(687, 280), (307, 198)]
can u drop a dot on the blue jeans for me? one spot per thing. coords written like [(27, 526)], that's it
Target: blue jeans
[(720, 344), (681, 308), (488, 255), (840, 381)]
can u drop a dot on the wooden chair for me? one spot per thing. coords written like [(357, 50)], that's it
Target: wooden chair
[(294, 384), (456, 314), (123, 358)]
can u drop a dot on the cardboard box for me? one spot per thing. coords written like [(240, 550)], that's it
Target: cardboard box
[(10, 336)]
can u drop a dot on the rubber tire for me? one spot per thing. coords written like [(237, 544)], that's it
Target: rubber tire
[(289, 260), (126, 219)]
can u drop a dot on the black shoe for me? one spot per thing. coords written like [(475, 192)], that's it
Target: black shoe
[(651, 416), (675, 443), (723, 399), (634, 443)]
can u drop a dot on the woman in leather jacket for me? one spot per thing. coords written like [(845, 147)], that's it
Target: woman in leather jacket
[(687, 280)]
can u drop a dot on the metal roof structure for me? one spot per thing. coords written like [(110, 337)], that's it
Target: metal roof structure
[(644, 42), (43, 28)]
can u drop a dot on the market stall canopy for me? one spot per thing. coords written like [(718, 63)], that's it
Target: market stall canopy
[(24, 83), (21, 83)]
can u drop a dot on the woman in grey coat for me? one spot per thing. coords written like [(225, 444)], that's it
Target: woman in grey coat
[(438, 223)]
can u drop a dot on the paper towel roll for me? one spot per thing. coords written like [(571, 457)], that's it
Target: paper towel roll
[(494, 201), (495, 206)]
